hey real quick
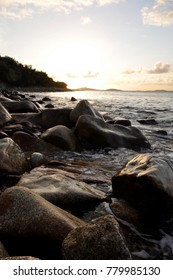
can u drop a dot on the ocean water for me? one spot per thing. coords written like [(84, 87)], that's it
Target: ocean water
[(132, 106)]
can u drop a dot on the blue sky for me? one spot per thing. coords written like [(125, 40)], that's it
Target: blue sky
[(124, 44)]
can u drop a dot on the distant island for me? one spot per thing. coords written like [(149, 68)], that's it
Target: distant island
[(15, 75)]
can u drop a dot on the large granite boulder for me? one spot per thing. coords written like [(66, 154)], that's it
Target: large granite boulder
[(30, 144), (60, 136), (60, 188), (101, 239), (146, 183), (20, 106), (53, 117), (96, 132), (4, 116), (29, 219), (83, 108), (13, 160)]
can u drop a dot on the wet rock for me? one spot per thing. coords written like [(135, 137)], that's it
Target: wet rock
[(98, 133), (60, 136), (146, 183), (8, 180), (3, 98), (37, 159), (30, 144), (123, 122), (13, 159), (49, 105), (3, 252), (148, 121), (4, 116), (61, 188), (162, 132), (11, 129), (34, 118), (125, 212), (54, 117), (73, 99), (20, 106), (99, 240), (3, 135), (84, 108), (31, 221), (46, 98)]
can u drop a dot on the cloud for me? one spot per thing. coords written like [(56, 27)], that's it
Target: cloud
[(90, 75), (160, 14), (19, 9), (71, 76), (85, 20), (131, 71), (161, 68)]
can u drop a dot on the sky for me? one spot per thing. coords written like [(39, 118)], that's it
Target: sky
[(122, 44)]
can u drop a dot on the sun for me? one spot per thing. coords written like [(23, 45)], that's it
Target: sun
[(78, 63)]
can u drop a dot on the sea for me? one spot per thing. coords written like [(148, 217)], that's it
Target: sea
[(134, 106), (155, 107)]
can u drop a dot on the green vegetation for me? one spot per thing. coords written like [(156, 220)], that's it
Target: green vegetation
[(14, 74)]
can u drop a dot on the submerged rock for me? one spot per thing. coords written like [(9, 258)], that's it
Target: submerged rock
[(148, 121), (98, 133), (60, 188), (146, 183), (101, 239), (13, 160), (60, 136)]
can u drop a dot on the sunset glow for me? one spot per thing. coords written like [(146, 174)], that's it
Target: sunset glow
[(125, 44)]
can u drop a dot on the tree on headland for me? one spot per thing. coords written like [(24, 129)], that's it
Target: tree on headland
[(14, 74)]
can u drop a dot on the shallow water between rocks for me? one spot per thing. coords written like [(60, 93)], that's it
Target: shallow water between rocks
[(98, 166)]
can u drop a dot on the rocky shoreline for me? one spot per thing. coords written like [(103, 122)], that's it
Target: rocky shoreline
[(79, 208)]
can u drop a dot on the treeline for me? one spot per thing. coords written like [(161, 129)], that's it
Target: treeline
[(14, 74)]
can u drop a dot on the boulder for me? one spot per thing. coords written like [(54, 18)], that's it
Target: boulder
[(30, 221), (20, 106), (123, 122), (101, 239), (34, 118), (37, 159), (125, 212), (146, 183), (60, 136), (60, 188), (84, 108), (148, 121), (53, 117), (12, 158), (4, 116), (30, 144), (98, 133)]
